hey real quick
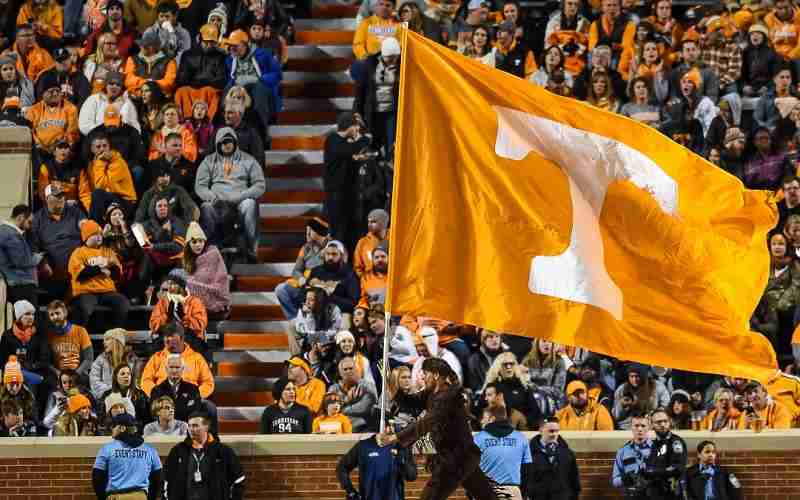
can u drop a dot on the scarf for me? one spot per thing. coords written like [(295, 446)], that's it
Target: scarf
[(63, 329), (24, 335), (708, 471)]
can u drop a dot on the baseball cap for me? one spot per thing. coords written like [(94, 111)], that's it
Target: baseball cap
[(238, 37), (61, 55), (576, 385), (209, 33), (150, 38), (123, 419), (54, 190)]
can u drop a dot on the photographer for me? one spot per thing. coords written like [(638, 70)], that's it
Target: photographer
[(667, 461), (630, 465), (344, 150)]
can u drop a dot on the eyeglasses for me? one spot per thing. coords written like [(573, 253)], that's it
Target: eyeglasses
[(509, 364)]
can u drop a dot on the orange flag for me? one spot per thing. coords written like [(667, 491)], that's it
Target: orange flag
[(521, 211)]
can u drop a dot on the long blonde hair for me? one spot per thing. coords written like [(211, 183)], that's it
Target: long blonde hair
[(98, 56), (493, 375), (393, 386), (118, 355), (534, 358)]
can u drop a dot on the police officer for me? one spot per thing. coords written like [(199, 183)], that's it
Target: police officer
[(126, 467), (667, 461), (631, 462)]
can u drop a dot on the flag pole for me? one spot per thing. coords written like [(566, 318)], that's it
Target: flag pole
[(384, 369)]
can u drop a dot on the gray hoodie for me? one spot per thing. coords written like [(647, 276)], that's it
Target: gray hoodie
[(245, 181)]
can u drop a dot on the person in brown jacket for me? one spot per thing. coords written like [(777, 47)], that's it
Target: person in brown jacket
[(457, 462)]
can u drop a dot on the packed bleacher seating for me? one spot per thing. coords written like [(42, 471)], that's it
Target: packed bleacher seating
[(151, 126)]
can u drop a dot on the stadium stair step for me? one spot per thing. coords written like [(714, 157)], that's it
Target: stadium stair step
[(316, 87)]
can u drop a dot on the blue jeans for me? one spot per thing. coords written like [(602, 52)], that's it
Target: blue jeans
[(72, 16), (212, 221), (288, 298)]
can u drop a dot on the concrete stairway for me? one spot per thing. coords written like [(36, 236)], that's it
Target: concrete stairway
[(315, 87)]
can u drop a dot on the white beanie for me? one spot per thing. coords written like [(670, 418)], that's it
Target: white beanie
[(195, 232), (23, 307), (390, 47), (344, 334), (118, 334)]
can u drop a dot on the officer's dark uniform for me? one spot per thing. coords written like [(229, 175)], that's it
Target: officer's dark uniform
[(665, 467)]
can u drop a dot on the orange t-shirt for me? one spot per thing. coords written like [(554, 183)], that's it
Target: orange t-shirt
[(72, 342)]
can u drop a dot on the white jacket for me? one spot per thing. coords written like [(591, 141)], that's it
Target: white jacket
[(93, 112), (431, 339)]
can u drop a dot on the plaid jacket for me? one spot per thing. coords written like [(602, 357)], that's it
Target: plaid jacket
[(725, 61)]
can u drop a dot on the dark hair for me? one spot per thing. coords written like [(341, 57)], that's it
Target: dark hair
[(199, 414), (101, 137), (115, 384), (547, 51), (789, 179), (20, 210), (638, 414), (167, 6), (703, 444), (56, 304), (72, 374), (492, 385), (170, 329), (439, 367), (488, 46), (549, 420), (783, 66), (171, 136), (660, 409), (10, 407)]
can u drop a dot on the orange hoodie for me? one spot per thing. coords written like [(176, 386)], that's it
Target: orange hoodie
[(50, 17), (109, 175), (594, 418), (53, 123), (775, 416), (336, 424), (96, 284), (784, 35), (195, 371), (35, 63), (195, 317), (310, 394), (362, 257), (785, 389)]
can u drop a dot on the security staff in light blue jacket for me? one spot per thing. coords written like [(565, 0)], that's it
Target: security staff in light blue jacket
[(631, 461)]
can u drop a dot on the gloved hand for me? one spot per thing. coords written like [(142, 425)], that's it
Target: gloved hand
[(353, 496)]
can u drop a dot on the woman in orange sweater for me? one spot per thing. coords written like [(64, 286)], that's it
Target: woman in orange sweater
[(333, 421), (171, 114)]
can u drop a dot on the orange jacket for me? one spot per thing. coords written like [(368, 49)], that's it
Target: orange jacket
[(708, 421), (362, 257), (133, 83), (415, 323), (339, 420), (112, 176), (595, 418), (188, 140), (195, 317), (373, 289), (618, 46), (96, 284), (783, 35), (69, 186), (311, 394), (775, 416), (195, 371), (51, 17), (52, 124), (786, 391), (35, 63)]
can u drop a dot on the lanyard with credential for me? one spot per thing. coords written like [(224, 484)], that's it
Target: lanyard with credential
[(198, 477)]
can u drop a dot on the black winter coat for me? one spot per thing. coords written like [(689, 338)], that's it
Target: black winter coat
[(199, 68), (224, 473), (558, 480), (727, 486), (33, 356), (186, 401)]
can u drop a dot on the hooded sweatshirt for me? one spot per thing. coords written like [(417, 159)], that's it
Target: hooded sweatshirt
[(229, 178), (431, 340), (502, 451)]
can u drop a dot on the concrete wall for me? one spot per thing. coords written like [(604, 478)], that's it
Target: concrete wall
[(281, 468)]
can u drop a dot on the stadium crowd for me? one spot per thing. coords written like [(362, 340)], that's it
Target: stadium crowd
[(150, 121)]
